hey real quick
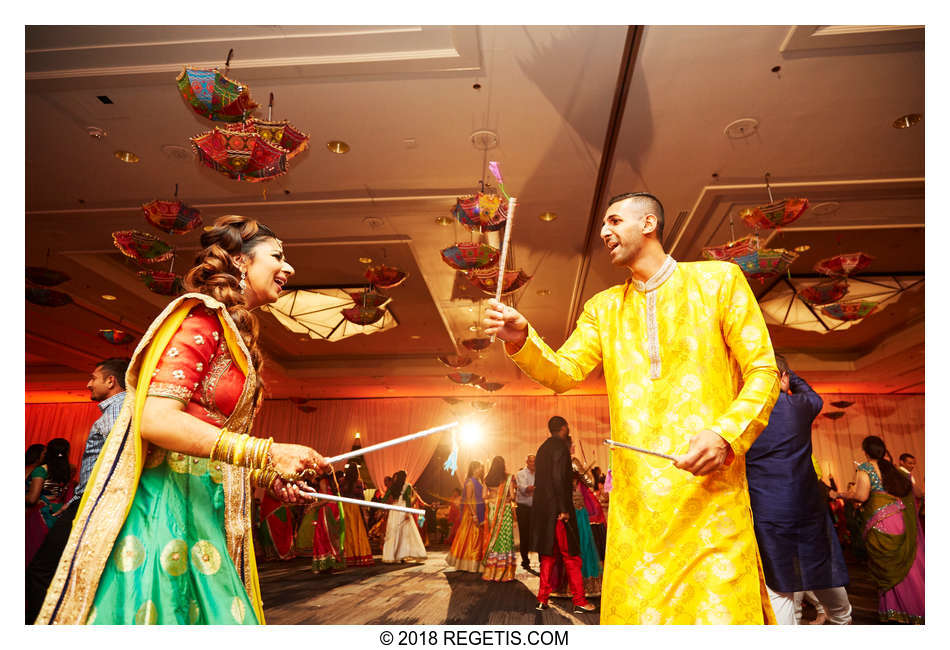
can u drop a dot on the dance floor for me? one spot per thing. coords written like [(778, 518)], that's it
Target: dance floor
[(431, 593)]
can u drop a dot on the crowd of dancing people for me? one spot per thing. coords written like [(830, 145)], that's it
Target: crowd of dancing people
[(159, 524)]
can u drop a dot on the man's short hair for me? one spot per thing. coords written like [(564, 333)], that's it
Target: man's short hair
[(905, 456), (782, 364), (115, 367), (650, 205), (556, 423)]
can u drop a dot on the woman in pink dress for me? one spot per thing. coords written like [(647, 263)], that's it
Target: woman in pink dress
[(892, 535)]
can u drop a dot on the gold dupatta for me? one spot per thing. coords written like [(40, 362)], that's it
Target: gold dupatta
[(111, 487)]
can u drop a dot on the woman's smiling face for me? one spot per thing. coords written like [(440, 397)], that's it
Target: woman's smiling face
[(267, 272)]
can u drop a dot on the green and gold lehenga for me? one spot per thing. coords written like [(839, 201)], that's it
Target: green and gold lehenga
[(163, 537)]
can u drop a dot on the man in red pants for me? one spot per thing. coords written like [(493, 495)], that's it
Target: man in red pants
[(553, 524)]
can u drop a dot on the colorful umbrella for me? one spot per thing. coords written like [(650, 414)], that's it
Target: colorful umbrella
[(173, 217), (834, 415), (824, 292), (163, 283), (467, 256), (852, 310), (454, 360), (465, 377), (142, 247), (369, 299), (239, 155), (214, 96), (737, 248), (385, 277), (490, 386), (481, 211), (765, 263), (486, 280), (774, 215), (844, 265), (278, 132), (361, 315), (476, 343), (47, 297), (116, 337), (45, 276)]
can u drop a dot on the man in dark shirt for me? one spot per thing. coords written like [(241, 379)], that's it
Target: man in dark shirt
[(553, 524), (106, 387), (797, 540)]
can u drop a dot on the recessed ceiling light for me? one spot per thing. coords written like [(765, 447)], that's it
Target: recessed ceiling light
[(443, 221), (126, 156), (802, 248), (415, 337), (544, 292), (338, 146), (906, 121), (547, 216), (96, 132), (741, 128), (107, 296), (366, 260), (304, 338), (827, 207)]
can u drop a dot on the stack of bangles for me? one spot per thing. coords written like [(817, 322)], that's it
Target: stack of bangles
[(246, 451)]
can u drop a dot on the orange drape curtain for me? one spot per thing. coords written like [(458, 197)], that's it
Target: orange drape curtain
[(511, 427)]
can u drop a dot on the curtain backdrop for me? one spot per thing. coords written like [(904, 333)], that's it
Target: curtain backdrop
[(511, 427)]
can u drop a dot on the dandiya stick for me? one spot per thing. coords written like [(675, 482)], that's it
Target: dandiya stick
[(389, 443), (614, 443), (512, 204), (360, 502)]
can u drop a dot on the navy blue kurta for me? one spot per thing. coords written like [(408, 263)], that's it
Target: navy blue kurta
[(793, 527)]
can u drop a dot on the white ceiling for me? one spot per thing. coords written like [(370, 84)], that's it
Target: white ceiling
[(581, 113)]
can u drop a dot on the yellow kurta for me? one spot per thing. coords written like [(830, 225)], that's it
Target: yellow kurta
[(686, 351)]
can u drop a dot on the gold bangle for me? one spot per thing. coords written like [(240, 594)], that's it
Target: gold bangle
[(239, 449), (220, 451)]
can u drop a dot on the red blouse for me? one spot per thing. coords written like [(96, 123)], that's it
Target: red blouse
[(197, 369)]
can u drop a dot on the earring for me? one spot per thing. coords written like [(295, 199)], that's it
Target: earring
[(243, 282)]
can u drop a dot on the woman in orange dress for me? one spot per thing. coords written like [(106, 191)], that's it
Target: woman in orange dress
[(468, 547)]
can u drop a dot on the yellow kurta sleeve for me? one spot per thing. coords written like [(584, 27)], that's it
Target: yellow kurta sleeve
[(564, 369), (747, 337)]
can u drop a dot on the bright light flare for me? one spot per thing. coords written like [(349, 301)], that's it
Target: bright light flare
[(470, 433)]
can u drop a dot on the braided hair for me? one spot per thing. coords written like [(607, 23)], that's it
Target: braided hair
[(216, 274)]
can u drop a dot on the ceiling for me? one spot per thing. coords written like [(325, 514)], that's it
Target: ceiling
[(579, 114)]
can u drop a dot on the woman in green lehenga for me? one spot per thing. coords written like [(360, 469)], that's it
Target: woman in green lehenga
[(499, 562), (163, 532)]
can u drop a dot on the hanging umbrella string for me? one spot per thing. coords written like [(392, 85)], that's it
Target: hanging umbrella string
[(768, 187)]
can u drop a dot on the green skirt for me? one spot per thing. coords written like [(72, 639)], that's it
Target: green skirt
[(170, 563)]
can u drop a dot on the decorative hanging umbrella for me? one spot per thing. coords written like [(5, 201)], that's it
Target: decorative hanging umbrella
[(307, 409), (486, 280), (385, 277), (776, 213), (214, 96), (765, 263), (142, 247), (465, 377), (163, 283), (361, 315), (743, 246), (240, 156), (844, 265), (279, 132), (482, 407), (454, 360), (369, 299), (481, 211), (47, 297), (319, 313), (116, 337), (849, 311), (476, 344), (834, 415), (824, 292), (467, 256), (490, 386), (45, 276), (299, 400), (173, 217), (842, 404)]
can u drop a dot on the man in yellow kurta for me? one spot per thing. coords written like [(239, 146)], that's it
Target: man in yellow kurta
[(690, 372)]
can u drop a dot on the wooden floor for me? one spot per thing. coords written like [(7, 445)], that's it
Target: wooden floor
[(432, 593)]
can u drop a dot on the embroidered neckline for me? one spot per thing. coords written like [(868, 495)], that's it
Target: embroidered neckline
[(662, 275)]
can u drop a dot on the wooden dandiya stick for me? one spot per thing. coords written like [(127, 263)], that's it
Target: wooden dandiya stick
[(502, 260), (389, 443), (614, 443), (360, 502)]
